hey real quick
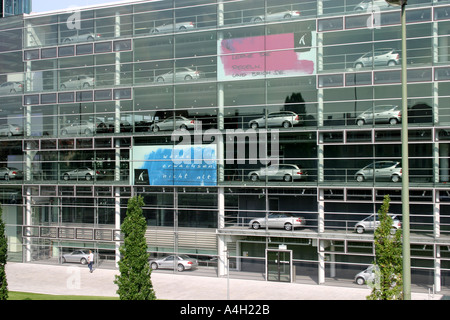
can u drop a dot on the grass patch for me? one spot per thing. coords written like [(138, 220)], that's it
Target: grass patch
[(15, 295)]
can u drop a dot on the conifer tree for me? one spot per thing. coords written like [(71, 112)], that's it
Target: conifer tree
[(134, 281), (388, 284), (3, 257)]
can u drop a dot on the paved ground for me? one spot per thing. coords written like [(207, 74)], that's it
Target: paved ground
[(76, 280)]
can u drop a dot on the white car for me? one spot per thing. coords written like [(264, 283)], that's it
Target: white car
[(381, 57), (78, 82), (372, 222), (11, 87), (173, 27), (173, 123), (181, 74), (77, 256), (83, 173), (85, 37), (10, 130), (380, 114), (79, 127), (275, 16), (184, 263), (380, 171), (284, 172), (279, 221), (285, 119)]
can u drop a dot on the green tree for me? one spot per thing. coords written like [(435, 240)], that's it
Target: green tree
[(134, 281), (388, 284), (3, 257)]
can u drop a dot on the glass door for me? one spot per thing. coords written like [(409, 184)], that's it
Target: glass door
[(279, 265)]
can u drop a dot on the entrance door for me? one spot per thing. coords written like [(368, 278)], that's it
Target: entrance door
[(279, 265)]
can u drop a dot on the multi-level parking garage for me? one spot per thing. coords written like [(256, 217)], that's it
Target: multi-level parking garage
[(191, 104)]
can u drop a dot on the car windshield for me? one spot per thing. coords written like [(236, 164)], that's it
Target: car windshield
[(183, 257)]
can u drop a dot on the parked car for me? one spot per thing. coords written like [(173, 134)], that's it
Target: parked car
[(287, 14), (372, 222), (8, 173), (181, 74), (83, 173), (143, 126), (77, 256), (369, 4), (85, 37), (367, 275), (380, 170), (380, 114), (173, 123), (11, 87), (283, 119), (79, 127), (78, 82), (173, 27), (285, 172), (278, 220), (184, 262), (10, 130), (382, 57)]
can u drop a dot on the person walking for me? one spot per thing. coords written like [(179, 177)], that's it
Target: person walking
[(90, 261)]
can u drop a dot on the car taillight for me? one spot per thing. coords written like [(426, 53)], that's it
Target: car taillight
[(189, 262), (13, 172), (297, 118), (191, 23), (400, 114), (192, 121), (297, 12), (299, 172), (299, 220)]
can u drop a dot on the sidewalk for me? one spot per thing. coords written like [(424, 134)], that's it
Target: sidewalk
[(76, 280)]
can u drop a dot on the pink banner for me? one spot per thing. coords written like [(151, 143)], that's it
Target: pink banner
[(252, 57)]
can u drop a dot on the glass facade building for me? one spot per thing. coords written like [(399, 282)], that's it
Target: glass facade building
[(225, 115)]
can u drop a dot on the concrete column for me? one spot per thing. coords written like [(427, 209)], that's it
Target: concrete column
[(321, 258), (117, 223), (27, 222), (437, 269), (436, 216)]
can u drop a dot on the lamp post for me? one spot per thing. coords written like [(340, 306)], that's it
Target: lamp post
[(405, 163)]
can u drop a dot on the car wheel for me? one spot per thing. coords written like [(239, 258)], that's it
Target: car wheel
[(254, 125), (90, 38), (287, 16), (83, 261), (391, 63), (393, 121), (254, 177), (359, 229), (62, 87), (88, 177), (360, 281), (86, 85), (154, 266), (183, 127), (256, 225), (66, 177), (360, 122), (63, 260), (154, 30), (155, 129), (287, 178), (160, 79), (12, 91), (395, 178), (66, 40), (288, 226), (87, 131), (286, 124), (257, 20), (180, 268), (188, 78), (359, 65), (360, 178), (63, 132), (7, 177), (182, 28)]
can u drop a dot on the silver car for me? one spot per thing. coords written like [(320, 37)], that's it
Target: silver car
[(85, 37), (173, 27), (184, 262), (11, 87), (77, 256), (380, 114), (369, 4), (79, 127), (285, 119), (181, 74), (278, 221), (372, 222), (380, 170), (83, 173), (8, 173), (78, 82), (285, 172), (173, 123), (10, 130), (275, 16), (367, 275), (382, 57)]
